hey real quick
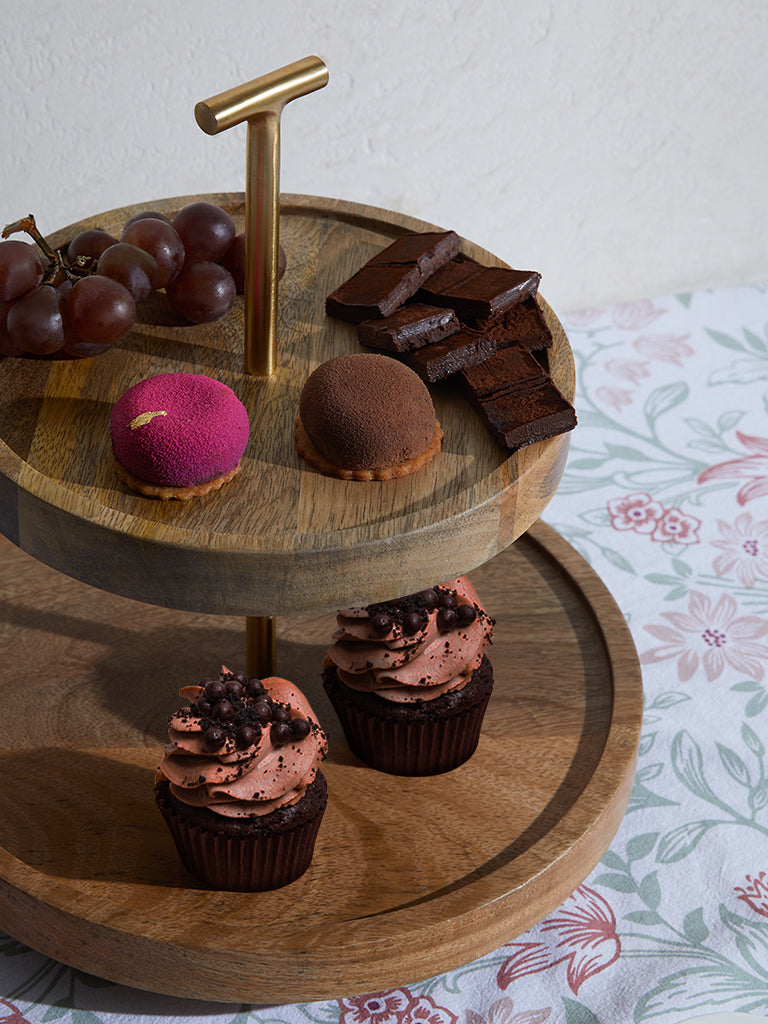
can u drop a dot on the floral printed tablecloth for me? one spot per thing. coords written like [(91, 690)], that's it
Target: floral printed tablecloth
[(666, 495)]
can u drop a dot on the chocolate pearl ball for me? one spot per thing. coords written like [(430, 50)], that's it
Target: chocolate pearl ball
[(235, 688), (467, 613), (263, 711), (241, 677), (412, 623), (245, 736), (224, 711), (430, 598), (280, 732), (254, 688), (300, 728), (447, 600), (280, 714), (214, 690), (381, 624), (447, 619), (214, 737), (203, 706)]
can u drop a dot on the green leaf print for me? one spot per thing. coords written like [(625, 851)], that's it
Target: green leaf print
[(740, 371), (577, 1013), (677, 844), (665, 398), (734, 765), (726, 340), (751, 938), (688, 765), (706, 986), (694, 928), (640, 846)]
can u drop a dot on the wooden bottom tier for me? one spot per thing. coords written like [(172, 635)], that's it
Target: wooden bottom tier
[(411, 877)]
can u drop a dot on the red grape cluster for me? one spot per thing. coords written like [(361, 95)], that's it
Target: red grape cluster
[(80, 301)]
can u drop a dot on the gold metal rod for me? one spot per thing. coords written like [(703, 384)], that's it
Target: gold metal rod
[(260, 103), (271, 91), (262, 239), (260, 646)]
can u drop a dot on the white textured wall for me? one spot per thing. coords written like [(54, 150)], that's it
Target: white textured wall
[(618, 147)]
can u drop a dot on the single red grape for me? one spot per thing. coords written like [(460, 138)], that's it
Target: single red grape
[(133, 267), (152, 214), (21, 269), (202, 292), (35, 322), (7, 346), (101, 311), (90, 243), (206, 230), (162, 242)]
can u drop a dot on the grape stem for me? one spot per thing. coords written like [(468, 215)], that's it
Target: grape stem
[(81, 266)]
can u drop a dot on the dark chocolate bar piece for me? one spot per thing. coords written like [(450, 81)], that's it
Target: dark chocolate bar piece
[(522, 325), (392, 276), (373, 292), (517, 399), (460, 351), (408, 328), (429, 250), (477, 292)]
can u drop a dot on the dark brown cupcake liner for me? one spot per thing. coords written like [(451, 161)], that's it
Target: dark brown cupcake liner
[(255, 862), (424, 744)]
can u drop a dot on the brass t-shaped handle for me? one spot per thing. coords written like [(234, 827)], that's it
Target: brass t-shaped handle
[(260, 103)]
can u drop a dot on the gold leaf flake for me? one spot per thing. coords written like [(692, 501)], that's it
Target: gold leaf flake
[(145, 417)]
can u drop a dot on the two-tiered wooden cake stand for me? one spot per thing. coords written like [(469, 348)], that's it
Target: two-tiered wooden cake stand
[(114, 602)]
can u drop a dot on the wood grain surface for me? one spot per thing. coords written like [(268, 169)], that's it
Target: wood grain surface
[(280, 538), (411, 877)]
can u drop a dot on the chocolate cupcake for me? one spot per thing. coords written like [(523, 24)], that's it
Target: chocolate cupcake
[(410, 680), (240, 787)]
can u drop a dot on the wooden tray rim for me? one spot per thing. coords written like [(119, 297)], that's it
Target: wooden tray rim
[(599, 806)]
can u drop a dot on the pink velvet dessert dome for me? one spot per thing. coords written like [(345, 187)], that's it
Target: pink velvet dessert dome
[(179, 430)]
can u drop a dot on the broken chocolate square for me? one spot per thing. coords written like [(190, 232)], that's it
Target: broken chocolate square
[(460, 351), (476, 292), (392, 276), (517, 399), (408, 328), (522, 325)]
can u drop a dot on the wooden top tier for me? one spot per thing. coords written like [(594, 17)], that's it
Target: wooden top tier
[(280, 538)]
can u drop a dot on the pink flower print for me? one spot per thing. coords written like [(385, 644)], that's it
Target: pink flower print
[(756, 894), (584, 317), (503, 1012), (378, 1008), (634, 315), (14, 1017), (628, 369), (677, 527), (425, 1011), (752, 468), (713, 637), (396, 1006), (638, 512), (617, 397), (744, 546), (582, 933), (667, 348)]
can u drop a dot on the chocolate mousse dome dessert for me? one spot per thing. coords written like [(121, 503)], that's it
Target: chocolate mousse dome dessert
[(366, 416)]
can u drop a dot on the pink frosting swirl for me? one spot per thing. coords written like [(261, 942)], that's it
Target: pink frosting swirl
[(405, 666), (238, 781)]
